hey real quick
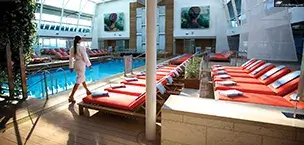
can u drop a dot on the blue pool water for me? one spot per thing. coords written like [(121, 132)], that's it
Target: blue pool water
[(57, 78)]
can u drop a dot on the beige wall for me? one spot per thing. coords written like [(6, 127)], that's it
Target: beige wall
[(192, 129)]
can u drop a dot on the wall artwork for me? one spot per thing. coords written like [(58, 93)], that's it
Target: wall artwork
[(114, 22), (195, 17)]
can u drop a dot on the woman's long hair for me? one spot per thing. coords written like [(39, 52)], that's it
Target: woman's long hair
[(76, 40)]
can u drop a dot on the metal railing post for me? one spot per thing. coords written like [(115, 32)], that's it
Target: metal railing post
[(46, 86), (65, 78), (42, 90)]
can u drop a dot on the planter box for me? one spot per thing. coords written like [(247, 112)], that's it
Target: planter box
[(192, 83)]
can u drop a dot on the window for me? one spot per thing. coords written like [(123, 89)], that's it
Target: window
[(47, 26), (230, 10), (238, 5), (49, 18), (55, 3), (57, 28), (141, 26), (53, 43), (84, 22), (41, 26), (62, 28), (66, 28), (52, 27), (69, 20), (80, 29), (71, 29), (61, 43)]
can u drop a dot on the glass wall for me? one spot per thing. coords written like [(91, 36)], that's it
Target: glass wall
[(85, 6), (46, 42), (232, 15), (71, 20)]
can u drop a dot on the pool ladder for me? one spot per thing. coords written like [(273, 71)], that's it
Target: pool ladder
[(65, 79), (45, 91)]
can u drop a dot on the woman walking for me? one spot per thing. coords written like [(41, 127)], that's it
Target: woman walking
[(79, 60)]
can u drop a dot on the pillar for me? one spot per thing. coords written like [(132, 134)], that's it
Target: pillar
[(151, 7), (301, 82)]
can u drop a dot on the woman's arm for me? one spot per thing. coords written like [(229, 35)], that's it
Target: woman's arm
[(71, 59), (85, 57)]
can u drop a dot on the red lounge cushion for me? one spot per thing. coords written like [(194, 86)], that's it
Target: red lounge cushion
[(158, 77), (287, 88), (142, 82), (255, 98), (160, 73), (246, 64), (139, 82), (248, 88), (244, 75), (181, 59), (170, 67), (219, 58), (240, 80), (164, 70), (249, 69), (251, 61), (115, 100), (275, 76), (128, 90), (300, 105), (262, 71)]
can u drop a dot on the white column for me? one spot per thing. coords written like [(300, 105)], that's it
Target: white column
[(40, 16), (301, 82), (62, 12), (79, 13), (151, 6)]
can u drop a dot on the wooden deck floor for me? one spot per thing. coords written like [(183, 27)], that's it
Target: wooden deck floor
[(64, 126)]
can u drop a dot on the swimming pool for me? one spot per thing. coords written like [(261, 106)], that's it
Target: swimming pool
[(58, 78)]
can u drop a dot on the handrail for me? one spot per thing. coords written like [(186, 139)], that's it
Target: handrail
[(45, 82), (139, 55), (40, 70), (65, 78)]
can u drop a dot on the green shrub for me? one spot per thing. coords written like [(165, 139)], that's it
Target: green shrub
[(17, 27), (193, 68)]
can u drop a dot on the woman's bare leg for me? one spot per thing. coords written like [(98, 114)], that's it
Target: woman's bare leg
[(71, 97), (86, 88)]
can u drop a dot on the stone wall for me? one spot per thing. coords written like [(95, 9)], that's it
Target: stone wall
[(193, 129)]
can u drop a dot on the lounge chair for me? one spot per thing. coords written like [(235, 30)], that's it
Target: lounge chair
[(254, 70), (128, 99), (255, 73), (243, 66), (266, 78), (181, 59), (292, 97), (223, 56), (254, 98), (120, 103), (272, 100), (36, 59), (282, 86)]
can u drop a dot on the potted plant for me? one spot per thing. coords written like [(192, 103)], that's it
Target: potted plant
[(192, 73)]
